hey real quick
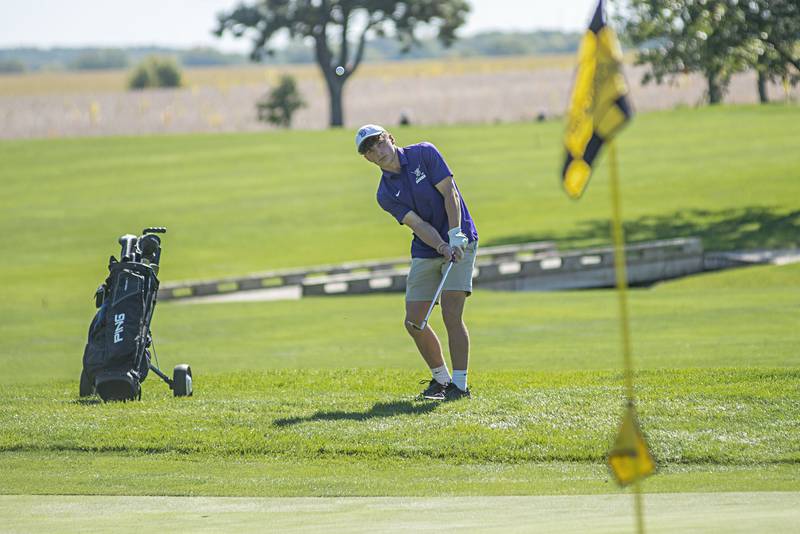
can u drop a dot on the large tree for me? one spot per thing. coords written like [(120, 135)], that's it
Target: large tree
[(774, 25), (339, 30), (716, 38), (681, 36)]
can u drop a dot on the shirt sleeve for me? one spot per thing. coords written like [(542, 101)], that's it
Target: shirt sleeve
[(435, 164), (393, 207)]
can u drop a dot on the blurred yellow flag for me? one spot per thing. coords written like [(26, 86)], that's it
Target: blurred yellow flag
[(630, 459), (599, 105)]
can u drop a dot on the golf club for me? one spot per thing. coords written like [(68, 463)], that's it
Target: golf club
[(424, 323)]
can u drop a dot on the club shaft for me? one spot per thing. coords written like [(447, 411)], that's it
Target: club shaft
[(436, 295)]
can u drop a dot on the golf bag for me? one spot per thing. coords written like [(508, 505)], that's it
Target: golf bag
[(116, 359)]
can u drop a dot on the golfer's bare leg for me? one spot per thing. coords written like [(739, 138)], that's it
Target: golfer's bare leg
[(426, 340), (457, 334)]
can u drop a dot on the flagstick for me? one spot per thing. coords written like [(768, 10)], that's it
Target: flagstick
[(622, 293)]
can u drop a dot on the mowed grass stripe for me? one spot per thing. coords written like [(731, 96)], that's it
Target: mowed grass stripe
[(688, 512), (120, 473)]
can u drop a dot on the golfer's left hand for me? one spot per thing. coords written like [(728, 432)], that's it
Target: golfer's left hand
[(457, 239)]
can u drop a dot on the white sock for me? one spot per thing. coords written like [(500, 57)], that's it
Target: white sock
[(441, 374), (460, 379)]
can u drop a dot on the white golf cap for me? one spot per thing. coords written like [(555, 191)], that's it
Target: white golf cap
[(366, 131)]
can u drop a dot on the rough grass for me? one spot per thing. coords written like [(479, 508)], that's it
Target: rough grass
[(725, 418)]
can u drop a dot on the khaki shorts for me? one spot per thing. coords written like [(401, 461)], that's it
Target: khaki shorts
[(426, 274)]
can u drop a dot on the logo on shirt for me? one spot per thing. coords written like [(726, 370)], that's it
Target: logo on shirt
[(419, 174), (397, 194)]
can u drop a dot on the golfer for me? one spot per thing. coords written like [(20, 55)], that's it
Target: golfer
[(418, 190)]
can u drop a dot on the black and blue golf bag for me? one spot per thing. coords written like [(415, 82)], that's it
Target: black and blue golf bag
[(116, 359)]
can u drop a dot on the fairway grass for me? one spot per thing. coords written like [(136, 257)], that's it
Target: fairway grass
[(774, 512), (242, 203), (738, 318)]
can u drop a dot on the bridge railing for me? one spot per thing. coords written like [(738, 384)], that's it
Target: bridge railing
[(646, 263), (351, 272)]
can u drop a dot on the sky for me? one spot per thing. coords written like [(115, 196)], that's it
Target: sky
[(188, 23)]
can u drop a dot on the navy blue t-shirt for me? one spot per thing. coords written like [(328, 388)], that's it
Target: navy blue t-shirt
[(414, 189)]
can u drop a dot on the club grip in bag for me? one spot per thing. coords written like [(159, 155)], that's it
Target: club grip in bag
[(128, 244)]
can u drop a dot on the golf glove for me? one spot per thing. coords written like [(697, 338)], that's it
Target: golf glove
[(457, 238)]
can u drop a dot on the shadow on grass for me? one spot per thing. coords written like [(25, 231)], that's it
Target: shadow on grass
[(87, 401), (748, 228), (380, 409)]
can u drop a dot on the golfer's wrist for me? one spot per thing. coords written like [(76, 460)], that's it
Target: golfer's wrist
[(440, 248)]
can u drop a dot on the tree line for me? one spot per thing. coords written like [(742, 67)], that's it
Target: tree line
[(297, 50), (92, 58)]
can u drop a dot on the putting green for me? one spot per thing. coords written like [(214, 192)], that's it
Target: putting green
[(664, 512)]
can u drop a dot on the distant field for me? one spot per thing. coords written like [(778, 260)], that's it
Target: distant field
[(430, 92), (60, 83)]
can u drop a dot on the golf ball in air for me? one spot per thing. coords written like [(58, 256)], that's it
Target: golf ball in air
[(339, 70)]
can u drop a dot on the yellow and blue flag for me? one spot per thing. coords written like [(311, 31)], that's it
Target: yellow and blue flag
[(630, 459), (599, 106)]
